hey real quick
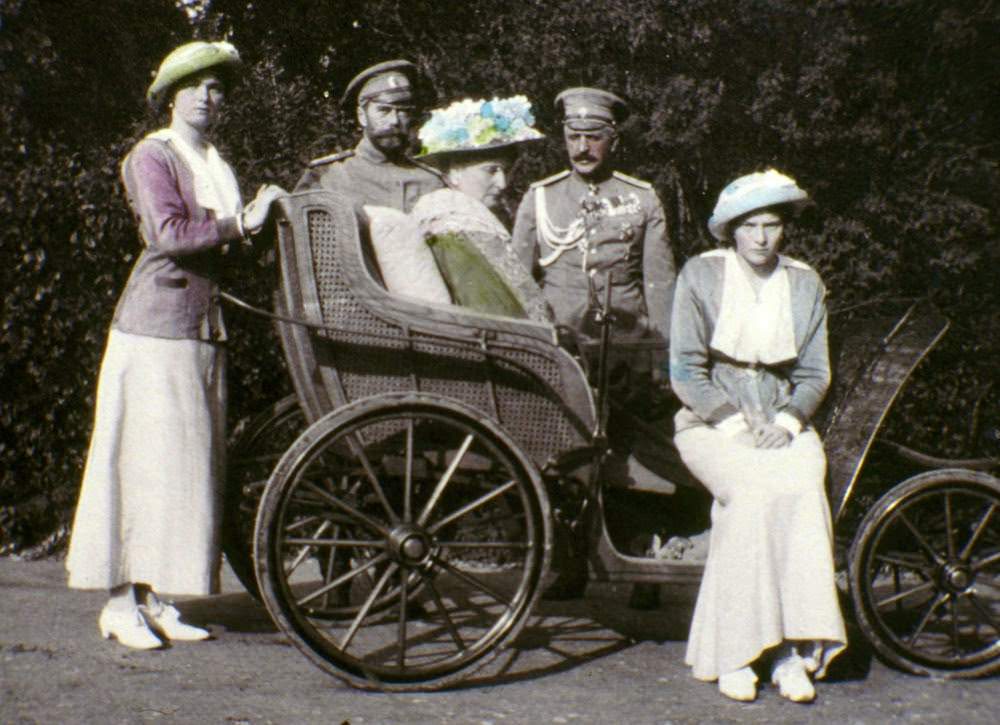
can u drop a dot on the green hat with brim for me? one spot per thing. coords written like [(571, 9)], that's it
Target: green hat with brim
[(470, 128), (187, 60)]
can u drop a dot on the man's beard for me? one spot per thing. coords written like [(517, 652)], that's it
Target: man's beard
[(390, 142)]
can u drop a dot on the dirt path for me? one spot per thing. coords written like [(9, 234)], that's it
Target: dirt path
[(575, 663)]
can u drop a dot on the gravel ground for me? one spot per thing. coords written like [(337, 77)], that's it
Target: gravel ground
[(590, 661)]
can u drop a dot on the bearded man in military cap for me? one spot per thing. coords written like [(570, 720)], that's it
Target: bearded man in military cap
[(379, 169), (581, 230)]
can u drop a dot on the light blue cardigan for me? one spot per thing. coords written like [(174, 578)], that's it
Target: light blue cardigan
[(703, 378)]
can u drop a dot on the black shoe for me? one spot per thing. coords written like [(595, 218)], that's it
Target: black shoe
[(644, 596), (566, 586)]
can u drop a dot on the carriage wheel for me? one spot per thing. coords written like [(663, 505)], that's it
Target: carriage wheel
[(252, 456), (925, 574), (434, 534)]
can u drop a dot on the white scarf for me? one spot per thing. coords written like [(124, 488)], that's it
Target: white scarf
[(754, 328), (215, 186)]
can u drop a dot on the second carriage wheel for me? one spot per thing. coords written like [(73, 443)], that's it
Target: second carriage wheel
[(402, 541), (253, 453), (925, 574)]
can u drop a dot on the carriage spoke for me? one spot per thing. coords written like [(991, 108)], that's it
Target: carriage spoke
[(408, 476), (347, 508), (304, 552), (358, 450), (938, 601), (984, 613), (439, 603), (953, 612), (980, 528), (471, 580), (987, 562), (949, 532), (516, 545), (331, 565), (494, 520), (471, 506), (338, 543), (363, 612), (439, 488), (919, 568), (404, 595), (345, 577), (902, 595), (935, 557)]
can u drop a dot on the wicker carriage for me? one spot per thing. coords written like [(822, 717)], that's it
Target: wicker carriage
[(406, 527)]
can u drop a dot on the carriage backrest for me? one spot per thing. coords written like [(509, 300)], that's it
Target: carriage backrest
[(872, 359), (512, 371)]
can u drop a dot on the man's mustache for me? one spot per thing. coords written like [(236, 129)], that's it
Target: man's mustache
[(584, 157)]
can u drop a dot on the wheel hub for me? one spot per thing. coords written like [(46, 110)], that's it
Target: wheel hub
[(957, 576), (410, 545)]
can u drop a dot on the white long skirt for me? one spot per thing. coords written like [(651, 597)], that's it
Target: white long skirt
[(769, 575), (150, 501)]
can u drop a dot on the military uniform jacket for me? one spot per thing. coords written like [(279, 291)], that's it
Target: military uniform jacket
[(588, 231), (366, 176)]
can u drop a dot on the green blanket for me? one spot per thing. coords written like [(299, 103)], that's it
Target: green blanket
[(471, 279)]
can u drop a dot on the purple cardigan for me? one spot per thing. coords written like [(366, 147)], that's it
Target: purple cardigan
[(171, 290)]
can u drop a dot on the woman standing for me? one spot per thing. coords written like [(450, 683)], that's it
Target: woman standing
[(147, 519), (748, 358)]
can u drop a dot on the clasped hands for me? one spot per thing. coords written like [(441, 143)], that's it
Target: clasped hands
[(765, 434)]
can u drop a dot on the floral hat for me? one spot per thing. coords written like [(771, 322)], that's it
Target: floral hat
[(469, 126)]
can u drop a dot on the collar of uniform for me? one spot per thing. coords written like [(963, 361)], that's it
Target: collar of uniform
[(596, 181), (366, 149)]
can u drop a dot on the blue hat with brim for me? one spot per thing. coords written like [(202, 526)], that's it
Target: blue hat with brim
[(187, 60), (755, 191)]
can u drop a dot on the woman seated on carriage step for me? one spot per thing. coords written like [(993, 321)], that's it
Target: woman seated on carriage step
[(748, 359), (451, 248), (147, 518)]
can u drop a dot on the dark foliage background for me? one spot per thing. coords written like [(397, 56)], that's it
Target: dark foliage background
[(884, 109)]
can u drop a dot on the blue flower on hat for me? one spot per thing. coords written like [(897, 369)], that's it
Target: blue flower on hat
[(470, 125)]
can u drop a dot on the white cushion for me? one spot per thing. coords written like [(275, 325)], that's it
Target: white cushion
[(407, 263)]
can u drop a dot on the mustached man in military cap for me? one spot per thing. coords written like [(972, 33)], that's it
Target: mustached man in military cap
[(378, 170), (590, 223), (580, 229)]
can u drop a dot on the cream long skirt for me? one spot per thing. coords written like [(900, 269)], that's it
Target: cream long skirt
[(769, 575), (150, 501)]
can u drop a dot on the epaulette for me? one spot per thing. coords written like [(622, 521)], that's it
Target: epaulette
[(331, 158), (631, 180), (551, 179)]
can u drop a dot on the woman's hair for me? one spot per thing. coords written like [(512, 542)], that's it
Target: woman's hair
[(448, 161)]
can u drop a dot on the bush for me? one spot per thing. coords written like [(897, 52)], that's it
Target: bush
[(877, 107)]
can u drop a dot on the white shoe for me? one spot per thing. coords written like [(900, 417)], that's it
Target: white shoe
[(790, 675), (128, 627), (739, 685), (166, 620)]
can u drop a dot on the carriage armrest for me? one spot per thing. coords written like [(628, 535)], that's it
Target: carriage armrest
[(871, 364)]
